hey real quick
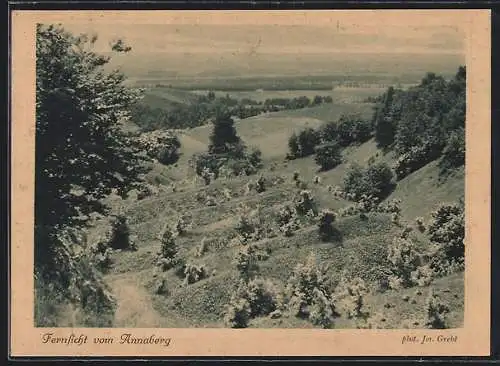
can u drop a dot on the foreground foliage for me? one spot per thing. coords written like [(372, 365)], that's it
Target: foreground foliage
[(81, 152)]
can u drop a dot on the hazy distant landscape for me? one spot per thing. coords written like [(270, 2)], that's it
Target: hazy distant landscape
[(277, 176)]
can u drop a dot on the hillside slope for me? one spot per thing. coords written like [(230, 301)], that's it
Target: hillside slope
[(360, 248)]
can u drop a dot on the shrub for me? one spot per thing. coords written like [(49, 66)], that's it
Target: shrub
[(321, 311), (328, 156), (160, 286), (447, 226), (349, 210), (255, 157), (258, 297), (146, 190), (249, 187), (245, 261), (367, 203), (287, 220), (298, 305), (227, 194), (237, 313), (301, 286), (194, 273), (304, 203), (422, 276), (101, 257), (261, 185), (169, 154), (404, 259), (245, 226), (205, 163), (182, 225), (375, 181), (207, 175), (325, 221), (435, 312), (446, 231), (406, 232), (201, 249), (168, 252), (284, 215), (392, 206), (415, 158), (420, 224), (300, 184), (241, 167), (296, 176), (120, 234), (210, 200), (160, 145), (395, 282), (263, 297), (396, 218), (349, 296)]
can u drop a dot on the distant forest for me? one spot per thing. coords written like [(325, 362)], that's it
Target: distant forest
[(200, 111)]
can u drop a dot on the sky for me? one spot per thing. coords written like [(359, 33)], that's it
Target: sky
[(187, 32)]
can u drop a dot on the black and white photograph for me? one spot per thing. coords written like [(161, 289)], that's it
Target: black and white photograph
[(279, 174)]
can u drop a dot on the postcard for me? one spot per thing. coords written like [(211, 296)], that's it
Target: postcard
[(250, 183)]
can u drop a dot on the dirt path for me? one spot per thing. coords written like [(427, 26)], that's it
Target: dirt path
[(135, 308)]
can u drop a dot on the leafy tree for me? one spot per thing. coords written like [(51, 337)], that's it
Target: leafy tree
[(380, 178), (430, 112), (447, 231), (355, 182), (328, 156), (307, 141), (329, 132), (293, 146), (79, 141), (384, 128), (454, 151), (317, 100), (224, 139), (352, 129), (374, 181)]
